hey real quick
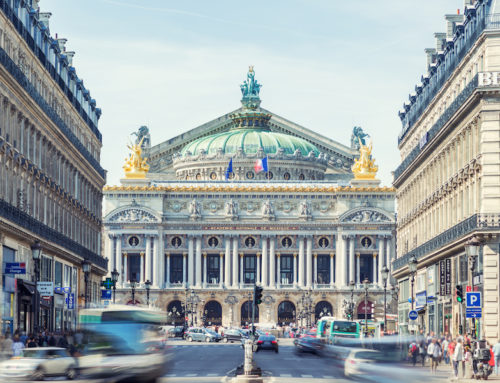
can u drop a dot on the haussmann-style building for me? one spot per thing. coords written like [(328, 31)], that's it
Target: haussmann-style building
[(195, 217), (448, 182)]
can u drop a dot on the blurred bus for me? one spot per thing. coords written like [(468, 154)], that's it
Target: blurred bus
[(333, 330), (123, 341)]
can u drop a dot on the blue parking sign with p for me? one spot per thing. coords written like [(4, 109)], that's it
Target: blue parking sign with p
[(473, 299)]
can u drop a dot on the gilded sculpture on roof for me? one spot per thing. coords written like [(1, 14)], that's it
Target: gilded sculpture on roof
[(364, 167), (135, 166)]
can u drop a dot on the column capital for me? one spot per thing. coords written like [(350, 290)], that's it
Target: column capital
[(332, 255), (375, 255), (142, 253), (352, 236), (124, 253), (221, 254), (204, 254), (112, 235), (184, 255), (358, 255), (345, 237), (242, 255), (295, 255), (257, 255), (167, 254), (315, 255), (278, 255)]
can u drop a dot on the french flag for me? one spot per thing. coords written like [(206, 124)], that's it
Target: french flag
[(261, 165)]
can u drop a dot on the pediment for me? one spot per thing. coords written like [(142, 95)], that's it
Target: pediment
[(366, 215), (132, 214)]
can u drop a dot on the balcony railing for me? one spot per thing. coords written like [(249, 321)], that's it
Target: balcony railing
[(467, 226)]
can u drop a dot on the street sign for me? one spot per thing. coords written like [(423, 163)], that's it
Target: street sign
[(473, 314), (71, 301), (413, 315), (15, 268), (105, 294), (66, 290), (108, 283), (45, 289), (468, 289), (473, 299)]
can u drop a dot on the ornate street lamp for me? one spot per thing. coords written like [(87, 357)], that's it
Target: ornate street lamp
[(36, 253), (412, 267), (114, 277), (352, 284), (86, 271), (366, 284), (148, 286), (132, 288), (472, 252), (385, 275)]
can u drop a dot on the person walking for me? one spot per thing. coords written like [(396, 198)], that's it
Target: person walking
[(413, 352), (444, 349), (18, 346), (458, 356), (7, 346), (496, 355), (434, 352)]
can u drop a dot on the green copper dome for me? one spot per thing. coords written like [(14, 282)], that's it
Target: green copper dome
[(250, 140)]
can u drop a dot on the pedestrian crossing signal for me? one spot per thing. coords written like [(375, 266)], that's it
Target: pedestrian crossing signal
[(258, 294), (460, 293)]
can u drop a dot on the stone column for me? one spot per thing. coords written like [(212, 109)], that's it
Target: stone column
[(381, 258), (309, 271), (167, 277), (198, 262), (242, 280), (278, 270), (184, 270), (294, 269), (258, 269), (272, 262), (301, 262), (221, 269), (343, 261), (160, 253), (111, 253), (156, 263), (125, 267), (265, 262), (148, 258), (141, 274), (332, 275), (235, 262), (205, 275), (351, 257), (388, 259), (374, 277), (118, 256), (358, 266), (227, 263), (315, 276), (190, 261)]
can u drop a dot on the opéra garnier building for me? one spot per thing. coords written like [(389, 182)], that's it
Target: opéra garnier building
[(196, 218)]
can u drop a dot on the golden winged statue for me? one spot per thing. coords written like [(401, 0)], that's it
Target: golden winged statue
[(364, 168), (135, 166)]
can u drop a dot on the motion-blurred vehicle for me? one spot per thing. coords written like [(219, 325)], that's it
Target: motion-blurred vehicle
[(123, 342), (332, 330), (267, 342), (38, 363), (234, 335), (176, 332), (309, 344), (202, 335)]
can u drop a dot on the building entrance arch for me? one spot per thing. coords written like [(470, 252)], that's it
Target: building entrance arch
[(212, 313), (286, 313), (246, 313), (322, 309), (365, 312), (175, 313)]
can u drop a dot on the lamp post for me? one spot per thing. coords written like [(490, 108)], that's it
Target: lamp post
[(385, 275), (472, 252), (352, 284), (36, 253), (366, 282), (86, 272), (132, 288), (148, 287), (412, 267), (114, 277)]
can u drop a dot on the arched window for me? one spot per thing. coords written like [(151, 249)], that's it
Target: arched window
[(175, 313), (286, 313), (322, 309), (246, 313), (212, 313)]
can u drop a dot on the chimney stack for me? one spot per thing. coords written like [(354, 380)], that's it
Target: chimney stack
[(62, 44), (44, 17), (440, 41), (431, 56), (451, 23), (70, 56)]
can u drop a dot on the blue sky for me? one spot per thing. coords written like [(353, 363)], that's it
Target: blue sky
[(328, 65)]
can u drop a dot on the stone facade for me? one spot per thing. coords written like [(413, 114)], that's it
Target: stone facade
[(447, 183)]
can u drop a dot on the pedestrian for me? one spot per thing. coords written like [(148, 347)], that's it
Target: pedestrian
[(422, 351), (496, 354), (52, 340), (31, 342), (413, 352), (17, 346), (458, 356), (7, 346), (434, 352), (444, 349)]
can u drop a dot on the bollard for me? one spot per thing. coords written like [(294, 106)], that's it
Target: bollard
[(248, 366)]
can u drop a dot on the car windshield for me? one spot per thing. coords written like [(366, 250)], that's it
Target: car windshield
[(344, 326), (34, 353)]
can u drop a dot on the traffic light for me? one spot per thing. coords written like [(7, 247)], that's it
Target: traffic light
[(258, 294), (460, 293)]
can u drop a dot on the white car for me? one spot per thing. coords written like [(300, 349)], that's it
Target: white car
[(38, 363)]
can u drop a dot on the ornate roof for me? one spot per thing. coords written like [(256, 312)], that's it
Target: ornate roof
[(250, 141)]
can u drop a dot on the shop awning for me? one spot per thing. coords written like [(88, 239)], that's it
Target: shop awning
[(25, 288)]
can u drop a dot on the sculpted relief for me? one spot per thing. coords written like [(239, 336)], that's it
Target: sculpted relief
[(134, 215), (366, 216)]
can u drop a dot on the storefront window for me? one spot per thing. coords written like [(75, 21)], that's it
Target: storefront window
[(58, 274), (58, 324)]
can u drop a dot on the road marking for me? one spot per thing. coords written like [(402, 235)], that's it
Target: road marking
[(170, 375), (286, 375), (212, 375), (195, 375), (306, 376), (327, 377)]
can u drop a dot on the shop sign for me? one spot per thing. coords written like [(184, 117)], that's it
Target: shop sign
[(45, 289), (15, 268), (442, 280), (421, 299), (448, 276), (488, 78), (70, 300)]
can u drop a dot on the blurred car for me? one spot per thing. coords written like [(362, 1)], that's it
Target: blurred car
[(234, 335), (267, 342), (38, 363), (176, 332), (202, 335), (309, 344)]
